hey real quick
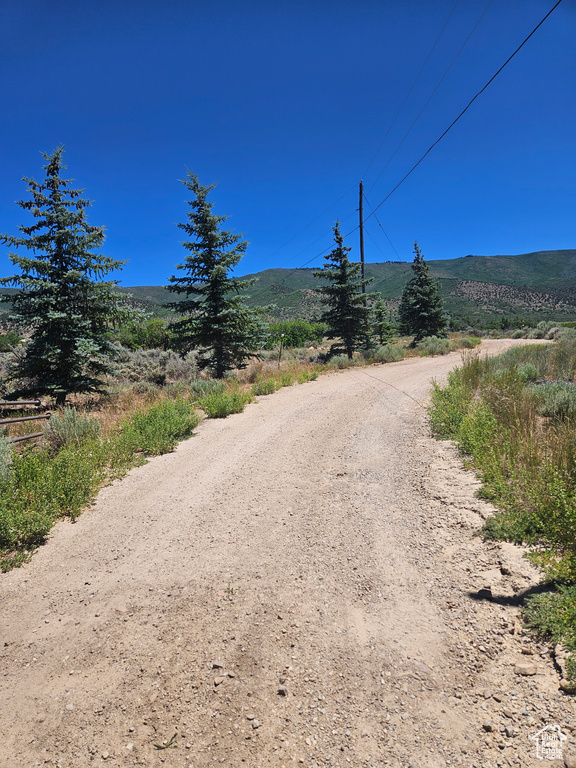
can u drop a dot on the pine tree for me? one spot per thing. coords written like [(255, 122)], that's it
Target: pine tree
[(381, 325), (421, 311), (216, 321), (62, 301), (346, 315)]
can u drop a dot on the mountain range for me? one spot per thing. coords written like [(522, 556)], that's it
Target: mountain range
[(478, 289)]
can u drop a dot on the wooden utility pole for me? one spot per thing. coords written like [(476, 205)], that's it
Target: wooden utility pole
[(361, 212)]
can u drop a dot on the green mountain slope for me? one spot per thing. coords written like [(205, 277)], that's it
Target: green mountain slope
[(536, 286)]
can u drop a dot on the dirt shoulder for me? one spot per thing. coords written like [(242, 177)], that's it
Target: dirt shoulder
[(299, 584)]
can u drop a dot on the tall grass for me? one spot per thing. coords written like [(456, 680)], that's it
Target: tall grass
[(218, 405), (43, 486), (159, 428), (521, 437)]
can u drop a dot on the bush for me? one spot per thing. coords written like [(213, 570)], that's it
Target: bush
[(341, 361), (387, 354), (433, 345), (43, 487), (146, 388), (202, 387), (148, 333), (528, 372), (70, 428), (265, 386), (153, 365), (159, 428), (296, 333), (218, 405), (556, 399), (305, 376), (553, 615), (465, 342)]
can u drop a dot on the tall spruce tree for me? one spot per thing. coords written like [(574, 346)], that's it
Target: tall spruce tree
[(68, 310), (421, 310), (215, 319), (347, 314)]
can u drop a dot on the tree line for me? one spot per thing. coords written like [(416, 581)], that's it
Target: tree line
[(71, 310)]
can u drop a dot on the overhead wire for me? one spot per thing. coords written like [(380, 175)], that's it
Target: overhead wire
[(375, 242), (438, 84), (430, 148), (463, 112), (316, 256), (381, 227), (342, 196), (396, 116)]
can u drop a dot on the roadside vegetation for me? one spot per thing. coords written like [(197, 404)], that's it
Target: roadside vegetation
[(514, 416), (126, 385)]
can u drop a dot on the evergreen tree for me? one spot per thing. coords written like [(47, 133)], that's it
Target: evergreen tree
[(215, 319), (347, 314), (381, 325), (421, 311), (61, 300)]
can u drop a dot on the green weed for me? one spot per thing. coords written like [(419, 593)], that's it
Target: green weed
[(265, 386), (218, 405), (159, 428)]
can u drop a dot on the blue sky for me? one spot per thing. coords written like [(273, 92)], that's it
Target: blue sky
[(285, 105)]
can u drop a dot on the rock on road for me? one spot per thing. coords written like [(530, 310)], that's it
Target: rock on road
[(299, 584)]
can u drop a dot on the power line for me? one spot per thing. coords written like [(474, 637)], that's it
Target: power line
[(312, 222), (466, 108), (403, 179), (375, 243), (381, 227), (438, 84), (393, 123), (379, 148), (302, 266)]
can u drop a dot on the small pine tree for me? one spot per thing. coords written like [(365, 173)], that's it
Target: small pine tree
[(421, 310), (216, 321), (347, 314), (381, 324), (68, 311)]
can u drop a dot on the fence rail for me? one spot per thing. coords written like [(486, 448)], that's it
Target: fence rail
[(22, 404), (19, 403), (25, 437), (26, 418)]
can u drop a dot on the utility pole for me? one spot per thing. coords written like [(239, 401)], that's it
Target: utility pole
[(361, 212)]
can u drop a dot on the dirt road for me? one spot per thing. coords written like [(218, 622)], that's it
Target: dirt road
[(295, 585)]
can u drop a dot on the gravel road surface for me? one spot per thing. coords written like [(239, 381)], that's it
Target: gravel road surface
[(299, 584)]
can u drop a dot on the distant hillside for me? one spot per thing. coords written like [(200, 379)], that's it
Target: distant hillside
[(540, 285), (541, 269), (536, 286)]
